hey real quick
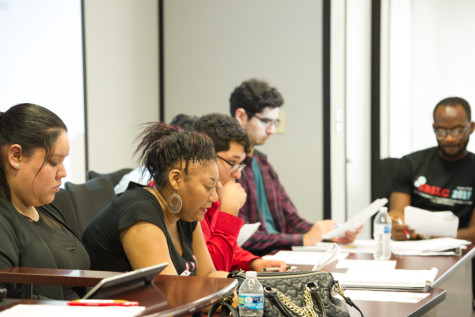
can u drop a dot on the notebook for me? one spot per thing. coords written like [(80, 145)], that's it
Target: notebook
[(125, 281)]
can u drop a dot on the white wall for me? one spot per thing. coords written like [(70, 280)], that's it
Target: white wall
[(41, 63), (211, 46), (122, 78), (429, 55)]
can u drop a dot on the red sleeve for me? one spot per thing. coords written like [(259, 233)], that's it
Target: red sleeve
[(221, 231), (242, 258)]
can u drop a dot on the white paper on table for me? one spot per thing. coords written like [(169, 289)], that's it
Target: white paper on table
[(366, 264), (356, 221), (358, 246), (387, 279), (385, 296), (247, 230), (428, 247), (71, 311), (433, 223), (302, 258), (319, 247)]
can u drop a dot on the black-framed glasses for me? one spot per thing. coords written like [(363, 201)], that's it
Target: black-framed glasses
[(234, 166), (269, 122), (456, 132)]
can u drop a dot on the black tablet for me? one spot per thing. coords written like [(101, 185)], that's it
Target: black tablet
[(125, 281)]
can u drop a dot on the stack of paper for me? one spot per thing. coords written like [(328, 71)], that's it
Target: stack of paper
[(439, 246), (387, 278)]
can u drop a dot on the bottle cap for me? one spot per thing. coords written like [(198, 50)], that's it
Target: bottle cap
[(251, 274)]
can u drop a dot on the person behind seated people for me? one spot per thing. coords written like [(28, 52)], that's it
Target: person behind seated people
[(140, 175), (439, 178), (220, 225), (256, 105), (145, 226), (33, 233)]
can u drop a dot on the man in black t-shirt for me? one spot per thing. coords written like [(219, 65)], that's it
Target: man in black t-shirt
[(439, 178)]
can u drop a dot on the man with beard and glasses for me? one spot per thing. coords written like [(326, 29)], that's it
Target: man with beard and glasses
[(439, 178)]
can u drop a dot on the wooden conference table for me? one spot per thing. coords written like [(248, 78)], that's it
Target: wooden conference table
[(168, 295), (176, 295), (447, 266)]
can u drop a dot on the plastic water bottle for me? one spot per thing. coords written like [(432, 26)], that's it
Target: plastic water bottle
[(251, 296), (382, 235)]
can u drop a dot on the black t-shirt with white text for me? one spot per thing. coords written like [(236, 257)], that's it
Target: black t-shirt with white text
[(436, 184)]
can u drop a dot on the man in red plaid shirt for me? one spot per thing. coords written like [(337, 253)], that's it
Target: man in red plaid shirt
[(256, 105)]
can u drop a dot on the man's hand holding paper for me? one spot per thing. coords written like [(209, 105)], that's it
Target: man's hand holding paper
[(355, 223), (432, 223)]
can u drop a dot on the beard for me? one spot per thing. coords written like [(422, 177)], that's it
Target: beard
[(457, 155)]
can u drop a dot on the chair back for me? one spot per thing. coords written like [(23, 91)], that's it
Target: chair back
[(90, 198), (113, 177), (383, 177)]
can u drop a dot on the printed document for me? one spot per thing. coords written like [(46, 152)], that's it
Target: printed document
[(432, 223), (356, 221)]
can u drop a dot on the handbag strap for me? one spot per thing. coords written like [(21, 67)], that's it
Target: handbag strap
[(348, 300), (227, 309), (287, 306)]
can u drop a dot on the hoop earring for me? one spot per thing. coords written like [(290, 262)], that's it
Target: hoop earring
[(175, 208)]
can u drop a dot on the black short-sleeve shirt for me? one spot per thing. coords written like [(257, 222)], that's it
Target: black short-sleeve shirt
[(102, 236), (436, 184)]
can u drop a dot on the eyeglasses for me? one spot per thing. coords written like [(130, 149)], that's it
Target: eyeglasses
[(269, 122), (234, 166), (456, 132)]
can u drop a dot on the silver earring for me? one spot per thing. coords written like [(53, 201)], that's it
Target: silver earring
[(175, 208), (17, 165)]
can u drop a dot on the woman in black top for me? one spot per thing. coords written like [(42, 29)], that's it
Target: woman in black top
[(33, 146), (145, 226)]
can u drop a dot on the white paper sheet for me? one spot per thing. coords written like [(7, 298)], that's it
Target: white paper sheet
[(366, 264), (302, 258), (387, 279), (425, 247), (437, 223), (358, 246), (385, 296), (356, 221), (247, 230), (70, 311)]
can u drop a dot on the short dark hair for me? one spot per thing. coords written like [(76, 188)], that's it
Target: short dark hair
[(455, 101), (163, 145), (184, 121), (32, 127), (253, 96), (223, 129)]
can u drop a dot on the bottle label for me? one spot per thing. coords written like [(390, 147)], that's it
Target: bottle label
[(251, 301), (379, 229)]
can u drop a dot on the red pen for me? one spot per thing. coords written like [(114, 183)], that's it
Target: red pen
[(408, 236), (102, 302)]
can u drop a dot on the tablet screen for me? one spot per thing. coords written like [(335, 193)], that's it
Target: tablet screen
[(125, 281)]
